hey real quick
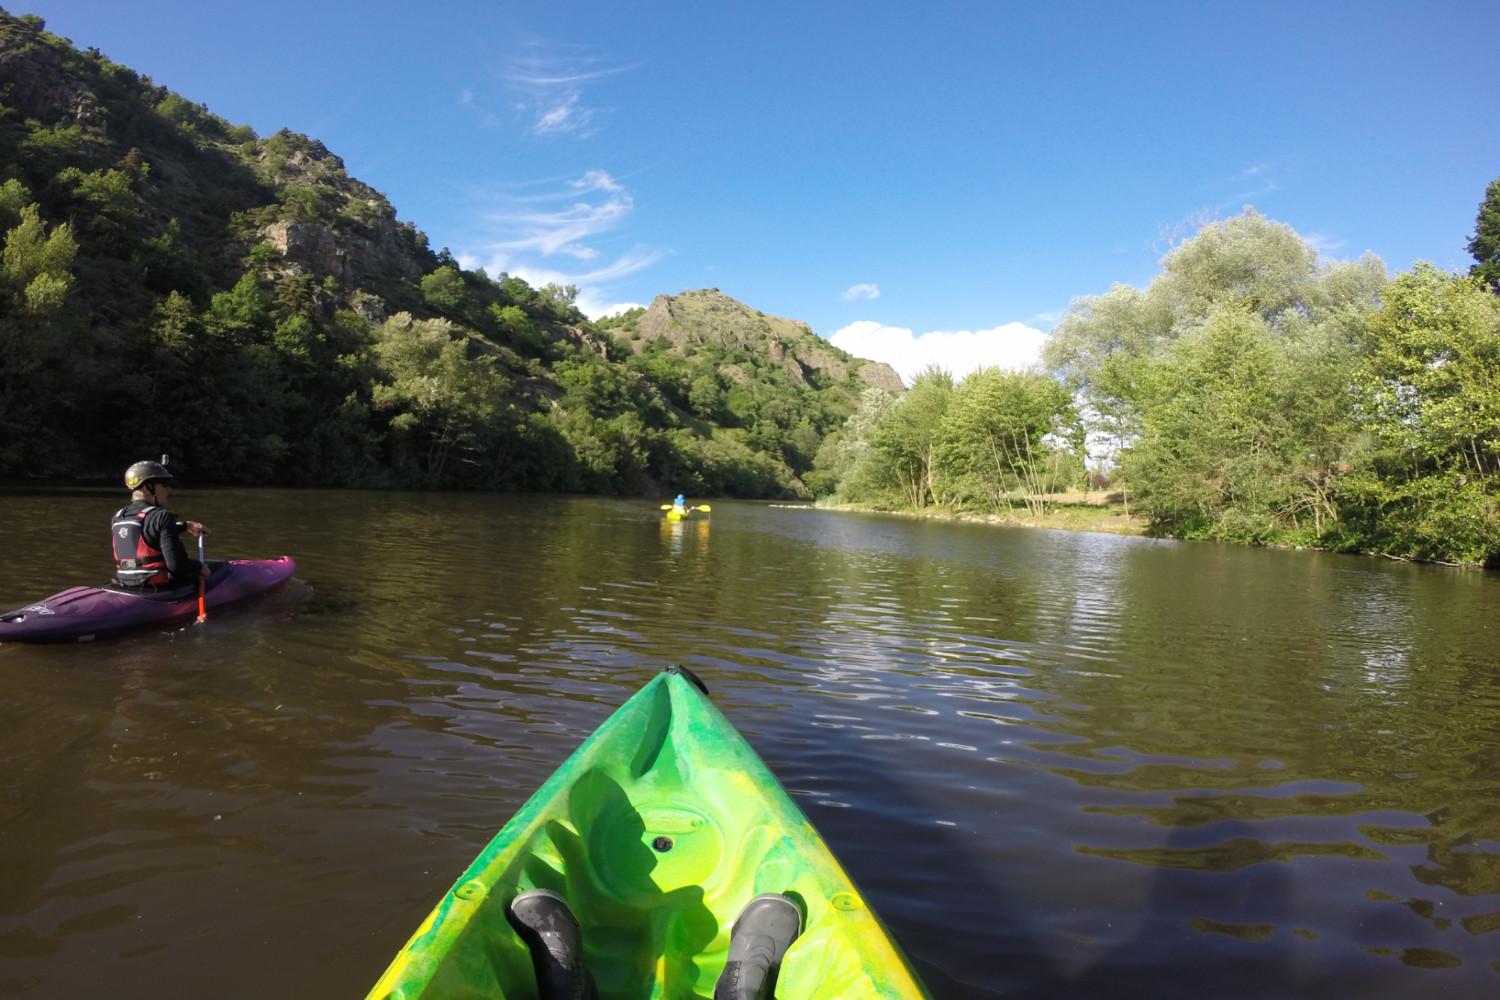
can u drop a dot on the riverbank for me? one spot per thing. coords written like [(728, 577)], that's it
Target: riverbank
[(1102, 513), (1097, 512)]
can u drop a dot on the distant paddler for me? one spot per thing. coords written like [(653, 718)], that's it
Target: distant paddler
[(679, 509)]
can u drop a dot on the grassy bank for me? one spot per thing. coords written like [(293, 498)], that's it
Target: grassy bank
[(1099, 512)]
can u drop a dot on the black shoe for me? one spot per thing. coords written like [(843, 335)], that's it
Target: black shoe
[(552, 933), (762, 933)]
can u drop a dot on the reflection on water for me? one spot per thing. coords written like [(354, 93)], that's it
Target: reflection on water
[(1059, 765)]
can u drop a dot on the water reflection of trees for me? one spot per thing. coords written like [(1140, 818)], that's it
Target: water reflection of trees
[(1369, 680)]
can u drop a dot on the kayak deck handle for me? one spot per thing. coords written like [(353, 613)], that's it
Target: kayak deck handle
[(688, 675)]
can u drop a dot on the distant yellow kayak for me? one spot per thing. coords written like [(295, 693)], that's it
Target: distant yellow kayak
[(656, 832), (679, 512)]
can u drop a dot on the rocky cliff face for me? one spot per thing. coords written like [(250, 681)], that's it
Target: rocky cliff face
[(228, 190), (364, 243), (879, 375), (36, 81)]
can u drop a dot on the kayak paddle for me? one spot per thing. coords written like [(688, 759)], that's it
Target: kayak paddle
[(202, 611)]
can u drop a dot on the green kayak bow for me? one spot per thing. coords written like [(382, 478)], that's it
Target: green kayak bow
[(657, 831)]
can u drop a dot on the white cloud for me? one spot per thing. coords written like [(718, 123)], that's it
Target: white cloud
[(1325, 244), (595, 203), (594, 297), (548, 80), (1257, 181), (1013, 345), (561, 236), (869, 290), (623, 266)]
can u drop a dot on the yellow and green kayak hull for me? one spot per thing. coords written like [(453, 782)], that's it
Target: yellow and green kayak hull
[(657, 830)]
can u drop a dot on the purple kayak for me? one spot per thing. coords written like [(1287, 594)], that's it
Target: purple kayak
[(79, 614)]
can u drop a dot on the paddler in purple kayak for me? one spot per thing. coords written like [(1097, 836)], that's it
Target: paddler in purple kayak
[(148, 551)]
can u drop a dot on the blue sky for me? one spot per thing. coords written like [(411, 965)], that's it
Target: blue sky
[(919, 181)]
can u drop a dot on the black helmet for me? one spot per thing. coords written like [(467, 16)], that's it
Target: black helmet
[(141, 473)]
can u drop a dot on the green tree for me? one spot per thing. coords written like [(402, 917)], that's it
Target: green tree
[(1207, 463), (168, 265), (438, 399), (34, 266), (179, 110), (105, 202), (1432, 401), (13, 198), (34, 283), (517, 328), (845, 460), (46, 150), (1485, 243), (594, 386), (1249, 259), (906, 439), (706, 396), (995, 437), (445, 291), (241, 315), (1431, 370)]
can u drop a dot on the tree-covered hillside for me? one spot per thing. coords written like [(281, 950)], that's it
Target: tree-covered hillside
[(173, 283)]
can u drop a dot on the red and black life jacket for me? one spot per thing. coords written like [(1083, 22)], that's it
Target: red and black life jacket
[(137, 564)]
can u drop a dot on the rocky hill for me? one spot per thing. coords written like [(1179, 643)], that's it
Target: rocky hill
[(710, 316), (172, 282)]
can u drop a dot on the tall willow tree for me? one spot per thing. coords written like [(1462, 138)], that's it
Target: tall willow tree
[(844, 459), (1245, 331), (1212, 455)]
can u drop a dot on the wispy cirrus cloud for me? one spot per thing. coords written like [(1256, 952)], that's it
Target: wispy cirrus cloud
[(558, 231), (868, 290), (560, 221), (1252, 184), (1227, 195), (595, 297), (547, 84), (487, 118), (573, 220), (1325, 244), (1257, 181)]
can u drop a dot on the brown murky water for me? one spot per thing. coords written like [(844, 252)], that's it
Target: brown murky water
[(1060, 765)]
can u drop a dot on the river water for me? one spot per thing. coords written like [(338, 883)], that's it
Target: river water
[(1060, 765)]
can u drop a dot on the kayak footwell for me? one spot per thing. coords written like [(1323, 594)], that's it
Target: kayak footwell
[(657, 832)]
